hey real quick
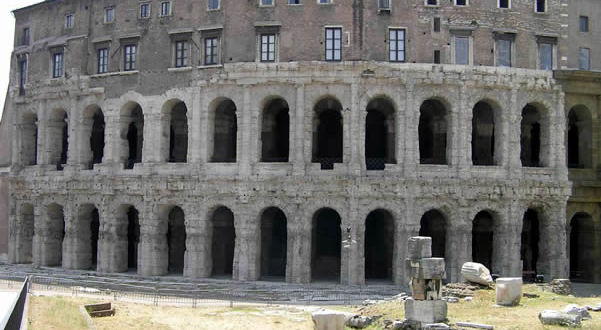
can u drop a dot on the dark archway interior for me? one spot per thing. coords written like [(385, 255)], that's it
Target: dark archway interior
[(64, 144), (27, 234), (133, 237), (379, 245), (94, 232), (579, 138), (224, 242), (432, 133), (482, 239), (433, 224), (56, 217), (135, 137), (275, 132), (225, 133), (379, 135), (178, 134), (97, 138), (530, 240), (585, 249), (327, 133), (325, 246), (176, 240), (483, 134), (530, 139), (274, 240), (29, 140)]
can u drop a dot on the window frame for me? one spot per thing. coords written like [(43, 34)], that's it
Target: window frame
[(539, 54), (214, 47), (112, 11), (100, 63), (182, 56), (58, 64), (544, 11), (69, 20), (162, 9), (218, 7), (469, 52), (325, 2), (437, 3), (332, 51), (23, 62), (269, 59), (130, 58), (588, 54), (397, 40), (508, 4), (26, 36), (294, 4), (148, 5), (583, 19), (498, 52), (467, 3), (385, 8), (261, 4)]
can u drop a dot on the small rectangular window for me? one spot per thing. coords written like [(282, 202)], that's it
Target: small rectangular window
[(460, 2), (166, 8), (22, 75), (213, 4), (25, 37), (545, 56), (436, 26), (324, 1), (437, 56), (57, 65), (266, 2), (584, 57), (103, 60), (397, 45), (69, 21), (333, 44), (294, 2), (431, 2), (181, 54), (109, 14), (144, 10), (583, 23), (268, 48), (503, 48), (129, 60), (211, 51), (541, 6), (462, 50), (504, 3), (384, 4)]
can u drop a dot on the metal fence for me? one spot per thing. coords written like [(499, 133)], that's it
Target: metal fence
[(12, 320)]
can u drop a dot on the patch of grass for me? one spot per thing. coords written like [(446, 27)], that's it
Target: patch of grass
[(54, 313)]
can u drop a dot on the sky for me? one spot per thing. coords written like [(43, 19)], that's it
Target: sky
[(7, 24)]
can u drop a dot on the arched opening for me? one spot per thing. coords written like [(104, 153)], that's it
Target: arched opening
[(29, 139), (176, 240), (53, 242), (483, 134), (379, 134), (97, 137), (225, 132), (433, 224), (579, 138), (88, 228), (274, 242), (275, 132), (379, 245), (531, 137), (178, 133), (327, 133), (58, 138), (24, 235), (482, 239), (132, 124), (529, 249), (585, 249), (432, 131), (224, 242), (133, 237), (94, 235), (325, 246)]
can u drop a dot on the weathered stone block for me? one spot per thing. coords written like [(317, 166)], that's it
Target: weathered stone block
[(550, 317), (476, 273), (509, 291), (426, 311), (328, 320), (432, 268), (419, 247)]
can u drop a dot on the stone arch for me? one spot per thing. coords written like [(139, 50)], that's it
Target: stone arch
[(275, 130), (433, 132), (93, 131), (50, 236), (530, 239), (223, 242), (130, 216), (223, 133), (433, 223), (486, 144), (379, 245), (274, 243), (24, 232), (579, 146), (174, 125), (483, 226), (380, 139), (327, 132), (585, 248), (534, 136), (326, 245), (175, 236), (132, 134), (29, 138), (58, 138), (88, 224)]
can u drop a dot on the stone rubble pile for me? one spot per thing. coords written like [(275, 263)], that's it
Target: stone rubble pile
[(571, 316), (462, 290), (559, 286)]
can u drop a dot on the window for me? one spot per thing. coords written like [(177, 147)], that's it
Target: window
[(584, 56), (129, 60), (462, 50), (333, 44), (397, 45), (22, 74), (69, 21), (211, 51), (384, 4), (545, 56), (460, 2), (504, 4), (324, 1), (431, 2), (541, 6), (503, 49), (25, 37), (165, 8), (436, 23), (213, 4), (267, 47), (144, 10), (294, 2), (181, 54), (109, 15), (103, 60), (583, 23), (437, 56), (266, 2), (57, 65)]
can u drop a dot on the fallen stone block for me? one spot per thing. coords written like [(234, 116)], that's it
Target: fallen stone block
[(530, 295), (596, 308), (328, 320), (474, 325), (476, 273), (551, 317), (359, 321), (419, 247), (573, 309), (436, 326), (426, 311), (509, 291), (406, 325)]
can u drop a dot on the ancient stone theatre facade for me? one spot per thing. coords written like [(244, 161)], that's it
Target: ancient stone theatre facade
[(304, 140)]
